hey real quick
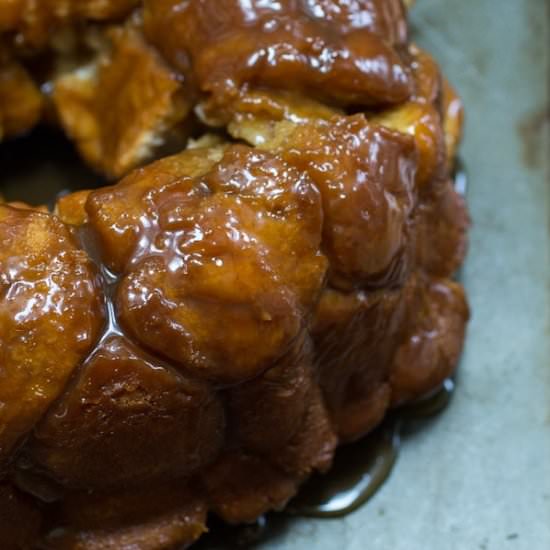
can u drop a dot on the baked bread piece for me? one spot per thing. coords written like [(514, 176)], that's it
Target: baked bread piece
[(100, 81), (202, 335), (21, 102), (122, 106)]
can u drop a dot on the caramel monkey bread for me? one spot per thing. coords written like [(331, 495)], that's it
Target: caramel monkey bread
[(200, 336)]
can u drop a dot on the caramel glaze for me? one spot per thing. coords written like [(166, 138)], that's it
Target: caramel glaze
[(201, 336), (360, 469), (339, 51)]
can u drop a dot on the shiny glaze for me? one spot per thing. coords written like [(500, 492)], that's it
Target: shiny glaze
[(337, 50), (421, 117), (357, 473), (50, 298), (365, 176), (361, 468), (201, 336), (171, 240)]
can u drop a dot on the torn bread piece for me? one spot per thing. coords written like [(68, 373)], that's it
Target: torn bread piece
[(124, 107)]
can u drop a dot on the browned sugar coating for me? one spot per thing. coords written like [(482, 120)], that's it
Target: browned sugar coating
[(219, 261), (365, 175), (128, 419), (342, 57), (203, 334)]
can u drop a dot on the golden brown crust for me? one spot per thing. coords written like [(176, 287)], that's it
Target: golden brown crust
[(421, 118), (253, 267)]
